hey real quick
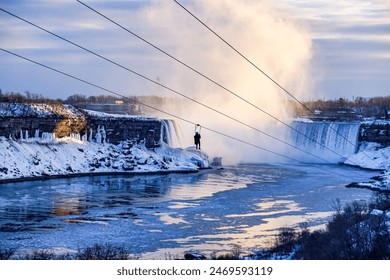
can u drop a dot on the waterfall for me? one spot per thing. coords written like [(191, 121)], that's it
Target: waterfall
[(171, 133), (321, 138)]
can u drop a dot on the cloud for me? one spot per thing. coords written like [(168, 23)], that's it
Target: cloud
[(76, 23), (351, 39)]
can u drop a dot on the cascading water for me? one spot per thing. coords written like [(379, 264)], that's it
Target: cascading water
[(171, 133), (321, 138)]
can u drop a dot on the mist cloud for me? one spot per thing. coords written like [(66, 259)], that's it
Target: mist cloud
[(281, 47)]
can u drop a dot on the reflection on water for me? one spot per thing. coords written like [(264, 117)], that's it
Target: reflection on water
[(68, 206), (275, 207), (155, 215)]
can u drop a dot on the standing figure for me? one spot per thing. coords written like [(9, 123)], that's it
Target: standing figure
[(197, 140)]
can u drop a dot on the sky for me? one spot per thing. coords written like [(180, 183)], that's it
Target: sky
[(349, 44), (314, 49)]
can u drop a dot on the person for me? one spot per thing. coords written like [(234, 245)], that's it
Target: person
[(197, 140)]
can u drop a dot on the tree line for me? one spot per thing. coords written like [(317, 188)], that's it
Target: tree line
[(378, 106), (27, 97), (360, 106)]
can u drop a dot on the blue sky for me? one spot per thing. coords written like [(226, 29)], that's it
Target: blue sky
[(349, 44)]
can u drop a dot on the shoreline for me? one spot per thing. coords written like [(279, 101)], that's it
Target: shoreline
[(96, 174), (367, 186), (361, 167)]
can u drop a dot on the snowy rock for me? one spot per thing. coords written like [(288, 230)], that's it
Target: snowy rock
[(126, 146), (127, 166), (115, 165), (69, 168), (95, 163), (376, 212), (217, 161)]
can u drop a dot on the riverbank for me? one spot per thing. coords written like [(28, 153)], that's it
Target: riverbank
[(64, 176), (372, 156), (40, 159)]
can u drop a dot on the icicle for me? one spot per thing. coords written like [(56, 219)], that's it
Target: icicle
[(47, 136), (90, 139), (26, 136), (36, 135), (103, 133), (98, 136), (75, 136), (21, 134)]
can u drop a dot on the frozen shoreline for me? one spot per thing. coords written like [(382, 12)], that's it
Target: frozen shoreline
[(37, 159), (372, 156), (64, 176)]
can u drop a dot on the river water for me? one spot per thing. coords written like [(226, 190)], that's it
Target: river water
[(161, 216)]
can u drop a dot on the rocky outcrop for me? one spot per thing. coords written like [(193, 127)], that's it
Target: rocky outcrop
[(375, 131), (32, 120), (117, 129)]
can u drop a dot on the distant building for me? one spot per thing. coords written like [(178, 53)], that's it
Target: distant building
[(119, 107)]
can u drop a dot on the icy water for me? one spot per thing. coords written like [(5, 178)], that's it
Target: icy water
[(166, 215)]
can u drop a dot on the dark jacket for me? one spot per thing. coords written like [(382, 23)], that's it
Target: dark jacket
[(197, 138)]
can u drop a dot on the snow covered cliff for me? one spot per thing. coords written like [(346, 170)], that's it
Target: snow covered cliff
[(40, 158)]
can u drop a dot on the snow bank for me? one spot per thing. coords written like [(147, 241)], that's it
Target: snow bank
[(69, 156), (372, 156), (302, 119)]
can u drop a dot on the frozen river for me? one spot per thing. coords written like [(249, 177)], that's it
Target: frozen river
[(160, 215)]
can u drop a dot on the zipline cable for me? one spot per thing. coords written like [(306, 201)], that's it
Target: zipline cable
[(265, 74), (207, 78), (162, 111), (166, 87), (167, 113)]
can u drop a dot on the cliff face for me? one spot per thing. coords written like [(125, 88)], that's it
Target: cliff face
[(117, 128), (20, 120), (375, 131)]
